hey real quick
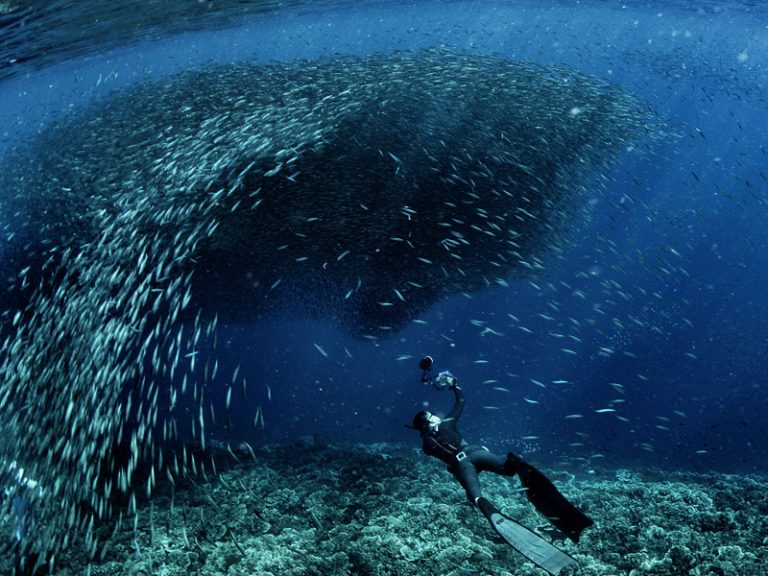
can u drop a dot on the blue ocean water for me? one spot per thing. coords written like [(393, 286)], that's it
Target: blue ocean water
[(641, 343)]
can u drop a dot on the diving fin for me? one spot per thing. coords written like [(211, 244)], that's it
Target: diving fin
[(525, 541), (548, 501)]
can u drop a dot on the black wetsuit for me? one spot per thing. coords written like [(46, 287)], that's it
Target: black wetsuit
[(465, 461)]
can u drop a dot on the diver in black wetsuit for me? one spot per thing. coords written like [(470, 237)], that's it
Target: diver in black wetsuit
[(441, 439)]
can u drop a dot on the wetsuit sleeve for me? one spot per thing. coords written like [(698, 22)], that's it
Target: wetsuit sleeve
[(458, 406)]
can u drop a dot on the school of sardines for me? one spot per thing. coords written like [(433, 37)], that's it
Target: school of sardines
[(355, 189)]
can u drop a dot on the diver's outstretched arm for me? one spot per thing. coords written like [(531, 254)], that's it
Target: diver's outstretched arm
[(458, 406)]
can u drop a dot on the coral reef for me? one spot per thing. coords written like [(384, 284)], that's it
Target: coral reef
[(307, 508)]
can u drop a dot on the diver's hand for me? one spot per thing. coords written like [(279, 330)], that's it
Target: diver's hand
[(445, 380)]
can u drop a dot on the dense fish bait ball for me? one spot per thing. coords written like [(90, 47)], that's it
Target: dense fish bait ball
[(360, 190)]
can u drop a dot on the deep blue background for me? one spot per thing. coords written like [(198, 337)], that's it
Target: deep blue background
[(662, 292)]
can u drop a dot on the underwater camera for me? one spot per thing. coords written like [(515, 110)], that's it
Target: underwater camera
[(442, 381)]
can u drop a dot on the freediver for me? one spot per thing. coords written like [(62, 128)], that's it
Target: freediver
[(441, 439)]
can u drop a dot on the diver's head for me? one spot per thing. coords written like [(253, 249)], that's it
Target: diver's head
[(425, 421)]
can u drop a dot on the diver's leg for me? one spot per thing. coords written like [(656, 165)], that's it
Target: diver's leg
[(466, 473), (486, 461)]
